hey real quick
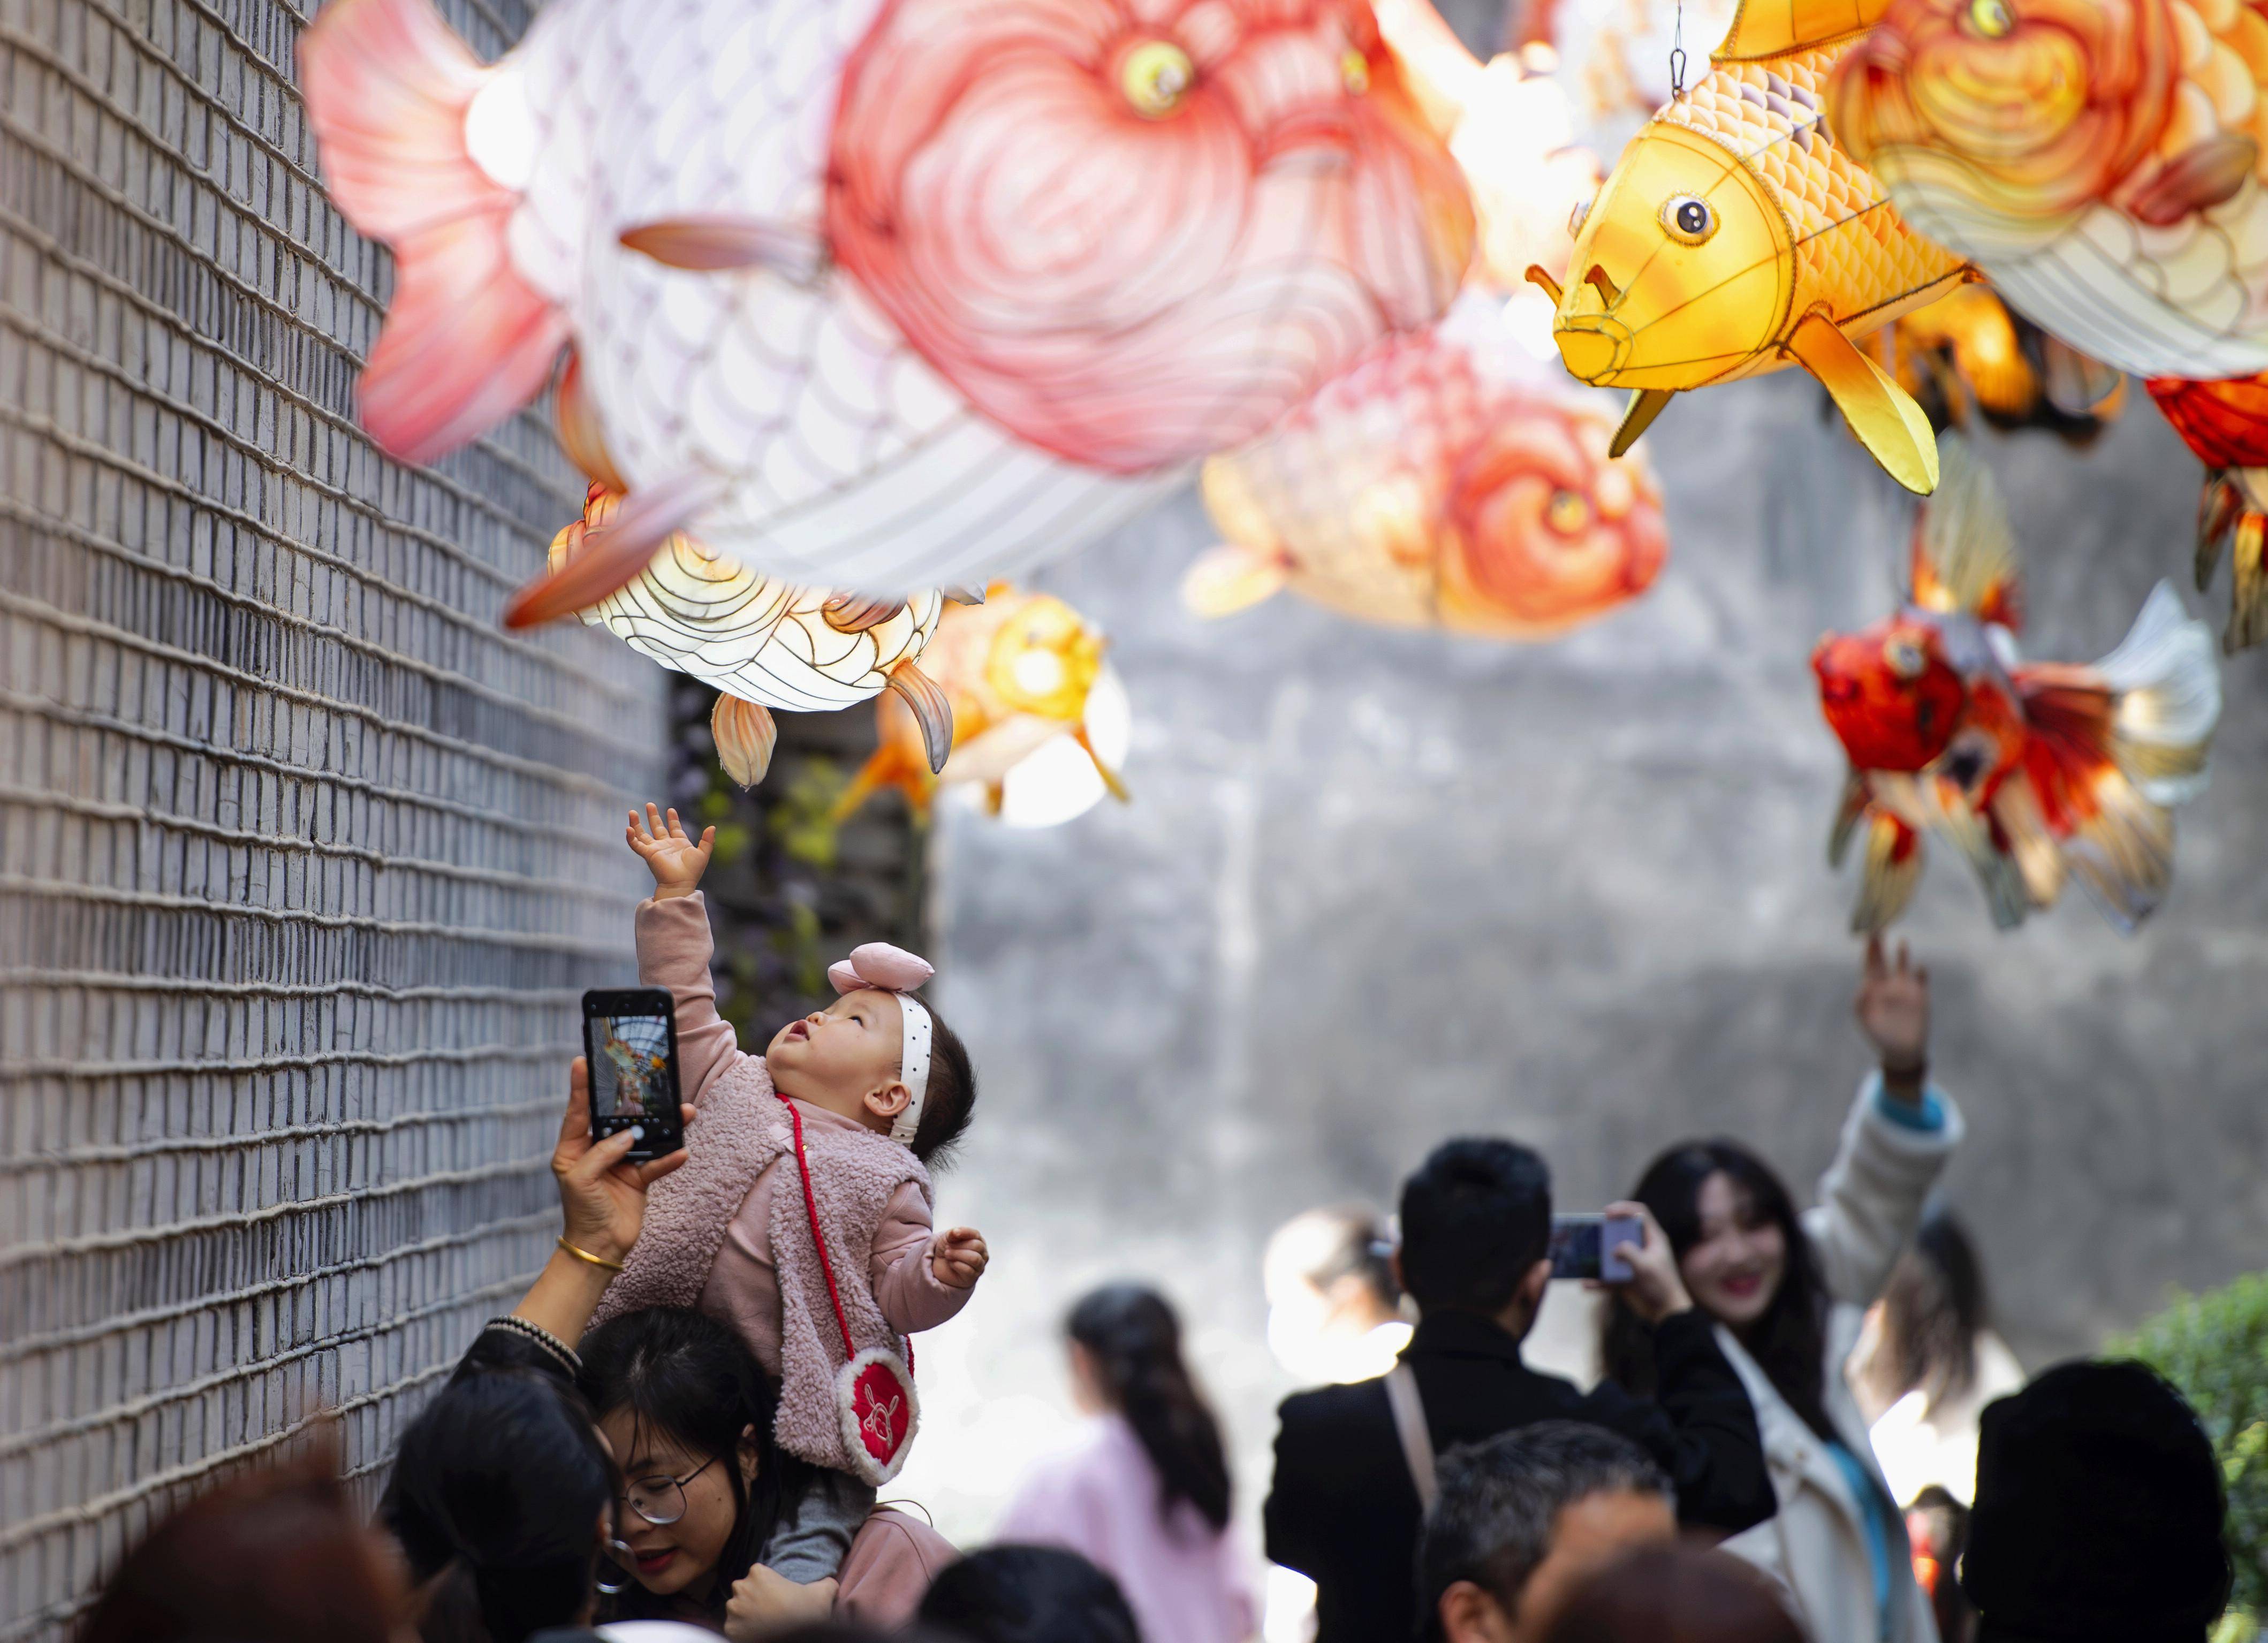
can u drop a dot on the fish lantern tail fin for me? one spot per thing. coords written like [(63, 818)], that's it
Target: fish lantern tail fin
[(1229, 578), (2228, 515), (1882, 415), (468, 341), (889, 765), (1887, 874), (2111, 748), (1964, 549)]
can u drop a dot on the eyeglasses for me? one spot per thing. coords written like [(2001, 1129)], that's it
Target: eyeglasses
[(660, 1499)]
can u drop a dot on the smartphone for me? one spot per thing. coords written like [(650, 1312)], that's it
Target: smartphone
[(629, 1038), (1590, 1246)]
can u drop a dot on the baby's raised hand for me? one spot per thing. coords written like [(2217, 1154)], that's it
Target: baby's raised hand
[(957, 1258), (675, 861)]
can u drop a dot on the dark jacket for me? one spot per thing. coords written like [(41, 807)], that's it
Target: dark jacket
[(1344, 1513)]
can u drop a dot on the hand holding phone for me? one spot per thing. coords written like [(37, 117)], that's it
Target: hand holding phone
[(629, 1038), (1591, 1247)]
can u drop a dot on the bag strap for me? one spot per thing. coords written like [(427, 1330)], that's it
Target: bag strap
[(1409, 1426), (819, 1239)]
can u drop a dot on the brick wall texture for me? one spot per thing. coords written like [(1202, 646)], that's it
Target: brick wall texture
[(304, 863)]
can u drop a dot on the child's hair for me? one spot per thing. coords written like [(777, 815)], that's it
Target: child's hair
[(949, 1101), (683, 1373)]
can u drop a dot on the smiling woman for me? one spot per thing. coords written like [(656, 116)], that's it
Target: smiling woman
[(1788, 1292), (688, 1413)]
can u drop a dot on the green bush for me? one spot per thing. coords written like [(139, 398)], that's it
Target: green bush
[(2215, 1347)]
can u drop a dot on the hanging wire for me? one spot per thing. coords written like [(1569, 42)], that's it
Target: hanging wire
[(1677, 55)]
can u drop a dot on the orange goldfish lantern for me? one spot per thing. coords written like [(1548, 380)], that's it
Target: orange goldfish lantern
[(1737, 235), (2036, 772), (879, 293), (2100, 160), (1019, 674), (764, 644), (1438, 483), (1967, 354)]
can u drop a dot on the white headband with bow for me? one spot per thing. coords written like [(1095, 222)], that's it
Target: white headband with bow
[(882, 968)]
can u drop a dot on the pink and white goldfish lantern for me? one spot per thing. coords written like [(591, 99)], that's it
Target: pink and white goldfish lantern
[(878, 294)]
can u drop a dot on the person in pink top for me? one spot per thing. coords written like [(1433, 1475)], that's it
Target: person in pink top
[(802, 1217), (1143, 1493)]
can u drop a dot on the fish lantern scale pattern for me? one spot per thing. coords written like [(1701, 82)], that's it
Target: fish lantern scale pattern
[(303, 864)]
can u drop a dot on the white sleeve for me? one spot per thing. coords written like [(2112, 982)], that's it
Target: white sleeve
[(1871, 1199)]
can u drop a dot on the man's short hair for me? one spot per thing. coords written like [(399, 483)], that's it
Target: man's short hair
[(1475, 1217), (1491, 1522)]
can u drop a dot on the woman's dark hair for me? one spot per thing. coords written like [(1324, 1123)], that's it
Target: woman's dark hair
[(497, 1496), (1789, 1342), (1932, 1310), (684, 1374), (1134, 1341), (277, 1555), (949, 1101), (1028, 1594)]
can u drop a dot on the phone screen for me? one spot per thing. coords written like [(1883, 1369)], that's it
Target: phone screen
[(1590, 1246), (630, 1041)]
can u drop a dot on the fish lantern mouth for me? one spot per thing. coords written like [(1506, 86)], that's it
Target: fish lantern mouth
[(1593, 345)]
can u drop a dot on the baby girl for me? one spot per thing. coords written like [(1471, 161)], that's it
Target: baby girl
[(802, 1214)]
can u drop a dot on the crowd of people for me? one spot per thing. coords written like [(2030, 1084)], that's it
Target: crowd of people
[(1804, 1429)]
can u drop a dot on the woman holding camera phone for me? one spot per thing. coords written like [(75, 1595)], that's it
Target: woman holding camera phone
[(514, 1425), (1789, 1295)]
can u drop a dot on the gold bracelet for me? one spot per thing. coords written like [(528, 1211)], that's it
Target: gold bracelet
[(584, 1255)]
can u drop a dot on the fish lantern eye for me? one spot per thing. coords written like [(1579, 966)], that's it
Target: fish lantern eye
[(1904, 657), (1992, 19), (1354, 72), (1157, 75), (1577, 218), (1688, 218), (1567, 513)]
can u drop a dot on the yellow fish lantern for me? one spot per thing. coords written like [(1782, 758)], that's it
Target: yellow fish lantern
[(1736, 236), (1019, 673), (763, 643)]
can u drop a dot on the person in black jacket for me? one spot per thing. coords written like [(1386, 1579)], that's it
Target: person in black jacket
[(1353, 1461)]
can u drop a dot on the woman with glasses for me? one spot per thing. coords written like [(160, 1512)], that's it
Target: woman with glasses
[(520, 1511), (685, 1407)]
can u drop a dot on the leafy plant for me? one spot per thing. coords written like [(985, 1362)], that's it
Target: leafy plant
[(2215, 1347)]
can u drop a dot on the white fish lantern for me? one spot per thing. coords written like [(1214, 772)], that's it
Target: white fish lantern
[(878, 294), (767, 645)]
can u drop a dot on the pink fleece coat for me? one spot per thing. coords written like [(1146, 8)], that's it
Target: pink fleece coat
[(741, 1177)]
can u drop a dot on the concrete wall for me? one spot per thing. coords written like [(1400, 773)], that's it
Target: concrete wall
[(1380, 887)]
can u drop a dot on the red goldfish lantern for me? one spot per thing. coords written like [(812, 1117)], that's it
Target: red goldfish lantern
[(2036, 772)]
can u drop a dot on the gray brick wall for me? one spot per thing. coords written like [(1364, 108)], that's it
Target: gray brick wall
[(303, 862)]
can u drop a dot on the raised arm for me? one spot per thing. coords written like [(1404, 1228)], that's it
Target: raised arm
[(602, 1206), (1901, 1132), (675, 946)]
